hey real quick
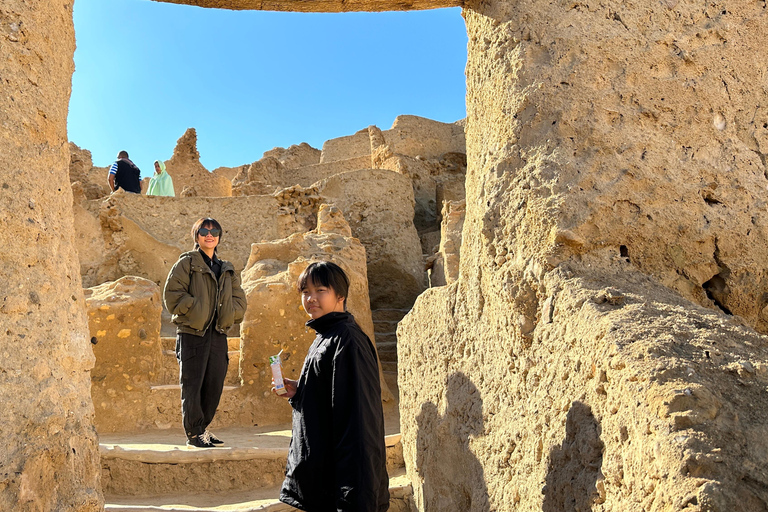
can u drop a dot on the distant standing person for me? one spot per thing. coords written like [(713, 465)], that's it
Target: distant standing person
[(337, 459), (161, 184), (124, 174), (204, 297)]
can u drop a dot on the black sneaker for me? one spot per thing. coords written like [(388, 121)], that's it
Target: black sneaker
[(200, 442), (212, 438)]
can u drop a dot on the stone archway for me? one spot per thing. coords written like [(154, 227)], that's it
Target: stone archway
[(616, 164)]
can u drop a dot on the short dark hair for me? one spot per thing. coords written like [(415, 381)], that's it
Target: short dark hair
[(328, 274), (201, 223), (122, 154)]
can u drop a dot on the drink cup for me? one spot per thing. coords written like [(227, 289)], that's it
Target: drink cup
[(277, 374)]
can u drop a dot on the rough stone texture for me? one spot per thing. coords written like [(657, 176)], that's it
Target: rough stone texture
[(320, 6), (128, 234), (433, 180), (124, 317), (295, 156), (378, 205), (269, 175), (187, 171), (49, 458), (615, 176), (445, 263), (92, 179), (625, 396), (275, 318), (411, 135), (416, 136), (350, 146)]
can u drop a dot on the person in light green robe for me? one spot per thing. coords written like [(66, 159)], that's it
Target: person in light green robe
[(161, 184)]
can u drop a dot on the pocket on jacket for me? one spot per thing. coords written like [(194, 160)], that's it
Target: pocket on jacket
[(196, 317)]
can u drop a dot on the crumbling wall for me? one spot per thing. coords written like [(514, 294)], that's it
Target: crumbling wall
[(295, 156), (378, 204), (49, 459), (190, 177), (93, 180), (129, 234), (275, 318), (582, 360), (444, 264)]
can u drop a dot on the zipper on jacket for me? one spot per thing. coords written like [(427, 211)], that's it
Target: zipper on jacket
[(216, 304)]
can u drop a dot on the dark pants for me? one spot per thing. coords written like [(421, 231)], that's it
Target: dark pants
[(203, 362)]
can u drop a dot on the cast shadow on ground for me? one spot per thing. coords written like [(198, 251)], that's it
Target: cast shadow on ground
[(453, 477), (575, 466)]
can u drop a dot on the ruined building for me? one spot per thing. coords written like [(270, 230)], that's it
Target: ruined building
[(600, 343)]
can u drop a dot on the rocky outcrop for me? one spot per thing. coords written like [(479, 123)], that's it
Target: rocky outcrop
[(188, 173), (444, 264), (124, 321), (49, 457)]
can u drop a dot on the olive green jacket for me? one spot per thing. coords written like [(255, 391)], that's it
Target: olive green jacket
[(192, 295)]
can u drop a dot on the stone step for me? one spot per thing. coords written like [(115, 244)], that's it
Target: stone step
[(385, 337), (261, 500), (388, 314), (158, 463), (387, 351), (385, 326), (389, 366)]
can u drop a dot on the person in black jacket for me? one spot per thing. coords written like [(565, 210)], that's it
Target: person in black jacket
[(124, 174), (337, 456)]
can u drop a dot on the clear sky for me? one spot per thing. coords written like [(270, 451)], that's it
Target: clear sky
[(249, 81)]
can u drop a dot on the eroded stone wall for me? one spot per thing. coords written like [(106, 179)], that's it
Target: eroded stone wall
[(584, 359), (49, 459)]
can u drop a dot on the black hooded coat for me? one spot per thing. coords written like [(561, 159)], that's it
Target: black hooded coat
[(337, 457)]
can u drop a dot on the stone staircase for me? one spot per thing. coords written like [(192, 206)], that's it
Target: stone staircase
[(385, 327), (151, 470), (154, 470)]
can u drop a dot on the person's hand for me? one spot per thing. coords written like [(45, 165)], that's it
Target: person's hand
[(290, 388)]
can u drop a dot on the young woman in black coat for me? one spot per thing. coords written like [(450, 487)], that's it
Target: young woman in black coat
[(337, 457)]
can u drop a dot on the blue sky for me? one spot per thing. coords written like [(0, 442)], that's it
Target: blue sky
[(249, 81)]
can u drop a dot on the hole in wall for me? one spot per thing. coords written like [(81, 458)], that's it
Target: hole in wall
[(624, 252), (717, 291), (710, 200)]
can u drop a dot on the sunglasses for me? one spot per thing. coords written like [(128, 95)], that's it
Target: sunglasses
[(215, 232)]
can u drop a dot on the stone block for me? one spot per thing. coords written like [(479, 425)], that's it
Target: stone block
[(275, 318), (124, 321)]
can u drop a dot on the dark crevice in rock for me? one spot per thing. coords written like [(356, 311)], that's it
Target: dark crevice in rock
[(717, 288), (624, 252)]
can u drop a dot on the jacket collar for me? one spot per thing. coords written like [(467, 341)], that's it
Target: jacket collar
[(328, 321), (197, 257)]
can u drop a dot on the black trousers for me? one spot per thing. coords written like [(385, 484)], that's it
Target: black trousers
[(203, 362)]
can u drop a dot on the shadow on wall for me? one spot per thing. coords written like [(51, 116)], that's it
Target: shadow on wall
[(453, 477), (575, 466)]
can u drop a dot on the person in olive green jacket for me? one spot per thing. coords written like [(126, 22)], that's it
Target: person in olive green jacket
[(204, 297)]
